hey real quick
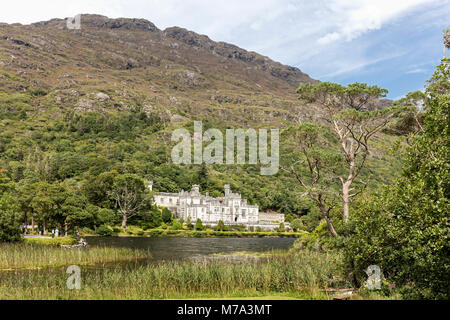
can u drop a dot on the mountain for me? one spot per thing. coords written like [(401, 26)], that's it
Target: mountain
[(183, 72), (78, 106)]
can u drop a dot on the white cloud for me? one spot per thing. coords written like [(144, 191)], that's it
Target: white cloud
[(324, 22), (418, 70), (351, 19), (355, 65)]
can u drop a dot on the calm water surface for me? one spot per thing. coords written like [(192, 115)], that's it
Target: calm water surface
[(182, 248)]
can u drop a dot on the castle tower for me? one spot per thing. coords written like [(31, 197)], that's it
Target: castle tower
[(227, 190)]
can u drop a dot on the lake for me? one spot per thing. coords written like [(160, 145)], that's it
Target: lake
[(182, 248)]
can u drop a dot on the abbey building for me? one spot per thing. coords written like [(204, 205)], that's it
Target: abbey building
[(231, 209)]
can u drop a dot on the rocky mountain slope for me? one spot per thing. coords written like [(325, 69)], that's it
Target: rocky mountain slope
[(113, 64)]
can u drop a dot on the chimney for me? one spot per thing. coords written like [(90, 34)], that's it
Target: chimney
[(150, 185), (195, 188)]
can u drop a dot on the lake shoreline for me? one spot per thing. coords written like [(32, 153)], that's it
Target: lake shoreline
[(163, 234), (160, 233)]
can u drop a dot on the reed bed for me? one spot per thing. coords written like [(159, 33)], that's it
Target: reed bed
[(303, 274), (33, 256)]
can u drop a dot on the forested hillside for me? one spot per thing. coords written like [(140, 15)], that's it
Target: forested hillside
[(81, 110)]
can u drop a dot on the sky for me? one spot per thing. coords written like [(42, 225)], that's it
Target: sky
[(394, 44)]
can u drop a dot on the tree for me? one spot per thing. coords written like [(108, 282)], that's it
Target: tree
[(130, 195), (314, 164), (6, 185), (198, 224), (10, 216), (404, 229), (105, 216), (152, 220), (355, 116), (26, 193), (202, 177), (166, 215), (189, 223), (220, 226), (98, 189), (447, 38), (296, 225), (47, 203), (410, 122), (78, 212), (9, 219)]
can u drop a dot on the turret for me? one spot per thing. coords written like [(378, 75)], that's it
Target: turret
[(227, 190)]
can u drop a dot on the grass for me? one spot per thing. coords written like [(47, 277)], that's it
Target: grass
[(263, 254), (169, 232), (49, 241), (159, 232), (38, 256), (301, 275)]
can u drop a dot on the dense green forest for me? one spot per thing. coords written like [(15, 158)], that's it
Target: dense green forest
[(65, 168)]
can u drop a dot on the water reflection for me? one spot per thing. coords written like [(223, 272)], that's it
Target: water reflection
[(182, 248)]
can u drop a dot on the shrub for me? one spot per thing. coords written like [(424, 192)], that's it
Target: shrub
[(154, 233), (176, 225), (198, 224), (86, 231), (220, 226), (296, 225), (38, 92), (103, 230)]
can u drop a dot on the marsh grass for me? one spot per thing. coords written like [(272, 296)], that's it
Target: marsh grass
[(51, 241), (301, 275), (38, 256)]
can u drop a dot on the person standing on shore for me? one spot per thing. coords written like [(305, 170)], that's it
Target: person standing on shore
[(53, 233), (57, 232)]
